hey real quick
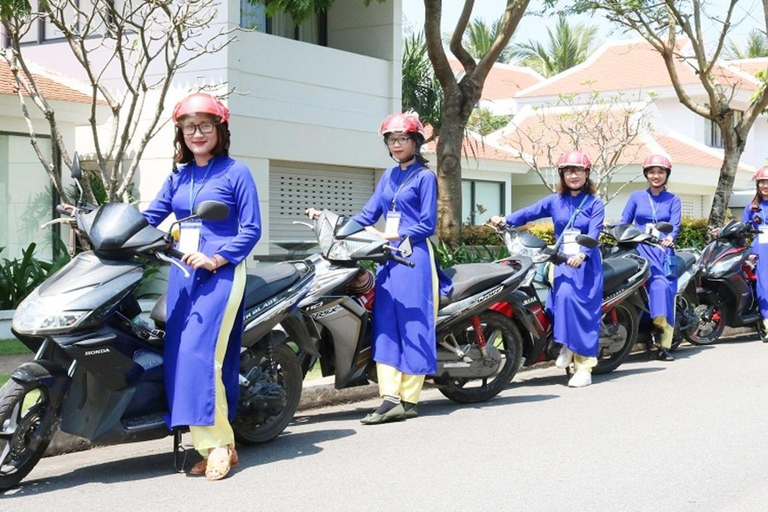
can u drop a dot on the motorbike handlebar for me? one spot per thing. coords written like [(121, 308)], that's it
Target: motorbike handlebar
[(176, 253), (400, 259)]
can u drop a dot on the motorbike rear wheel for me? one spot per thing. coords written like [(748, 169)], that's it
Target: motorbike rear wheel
[(613, 353), (501, 332), (276, 392), (27, 419), (711, 323)]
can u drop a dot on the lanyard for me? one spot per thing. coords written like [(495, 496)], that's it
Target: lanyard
[(572, 219), (192, 194), (653, 208), (407, 178)]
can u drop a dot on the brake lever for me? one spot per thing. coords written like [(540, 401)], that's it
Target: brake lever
[(172, 261)]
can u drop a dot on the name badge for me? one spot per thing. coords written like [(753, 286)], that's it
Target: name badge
[(189, 236), (570, 246), (651, 230), (393, 224), (762, 238)]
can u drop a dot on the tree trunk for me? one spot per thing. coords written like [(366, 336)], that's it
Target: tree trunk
[(733, 147)]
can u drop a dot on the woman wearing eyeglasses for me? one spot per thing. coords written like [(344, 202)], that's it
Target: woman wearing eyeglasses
[(575, 300), (406, 299), (204, 312)]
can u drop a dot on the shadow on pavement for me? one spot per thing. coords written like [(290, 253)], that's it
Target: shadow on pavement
[(288, 446), (434, 407)]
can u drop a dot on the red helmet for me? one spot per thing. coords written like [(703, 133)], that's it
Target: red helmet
[(407, 122), (574, 158), (761, 174), (200, 103), (658, 161)]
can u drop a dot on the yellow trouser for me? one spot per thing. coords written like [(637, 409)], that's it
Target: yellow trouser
[(220, 433), (582, 362), (667, 332), (393, 382)]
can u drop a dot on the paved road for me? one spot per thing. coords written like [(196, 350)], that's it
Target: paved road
[(652, 436)]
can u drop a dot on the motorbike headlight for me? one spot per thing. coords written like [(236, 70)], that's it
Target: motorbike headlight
[(38, 315), (726, 265), (344, 249)]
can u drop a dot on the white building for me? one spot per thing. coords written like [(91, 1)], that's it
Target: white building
[(307, 106), (632, 69)]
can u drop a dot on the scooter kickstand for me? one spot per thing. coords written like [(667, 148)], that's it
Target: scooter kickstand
[(178, 460)]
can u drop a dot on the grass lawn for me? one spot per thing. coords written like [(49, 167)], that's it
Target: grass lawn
[(4, 379), (314, 372), (9, 347)]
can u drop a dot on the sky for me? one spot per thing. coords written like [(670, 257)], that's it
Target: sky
[(747, 16)]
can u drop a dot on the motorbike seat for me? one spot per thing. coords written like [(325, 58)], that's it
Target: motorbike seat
[(268, 279), (471, 278), (617, 271), (261, 283), (685, 260)]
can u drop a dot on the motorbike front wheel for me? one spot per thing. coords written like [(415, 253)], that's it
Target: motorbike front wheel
[(501, 332), (27, 419), (618, 334), (711, 323), (267, 404)]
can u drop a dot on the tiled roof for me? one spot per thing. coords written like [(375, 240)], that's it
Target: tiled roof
[(50, 89), (504, 80), (680, 149), (628, 65), (750, 66), (476, 147)]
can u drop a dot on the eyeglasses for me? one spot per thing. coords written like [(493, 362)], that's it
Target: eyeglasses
[(391, 141), (205, 128), (574, 172)]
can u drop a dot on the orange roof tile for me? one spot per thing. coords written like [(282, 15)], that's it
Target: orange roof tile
[(474, 147), (50, 89), (751, 66), (627, 65), (534, 128), (504, 80)]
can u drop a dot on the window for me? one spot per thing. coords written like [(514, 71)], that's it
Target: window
[(26, 198), (713, 137), (253, 16), (480, 200)]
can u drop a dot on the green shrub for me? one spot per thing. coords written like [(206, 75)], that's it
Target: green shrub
[(449, 255), (19, 277), (693, 233)]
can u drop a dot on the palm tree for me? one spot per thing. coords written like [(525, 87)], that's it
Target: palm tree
[(568, 46), (478, 39), (757, 46), (421, 89)]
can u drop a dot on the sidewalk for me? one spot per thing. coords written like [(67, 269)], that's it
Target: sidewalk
[(315, 393)]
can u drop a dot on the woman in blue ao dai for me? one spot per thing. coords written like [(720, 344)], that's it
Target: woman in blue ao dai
[(577, 294), (405, 299), (647, 208), (757, 215), (204, 312)]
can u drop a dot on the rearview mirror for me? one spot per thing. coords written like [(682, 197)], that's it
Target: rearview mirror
[(212, 210), (586, 241), (77, 172), (664, 227)]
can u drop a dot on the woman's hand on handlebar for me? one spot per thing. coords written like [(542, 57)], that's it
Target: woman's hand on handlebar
[(313, 213), (497, 221), (198, 260), (667, 242), (576, 260)]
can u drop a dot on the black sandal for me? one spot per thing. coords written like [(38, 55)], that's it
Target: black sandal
[(663, 355)]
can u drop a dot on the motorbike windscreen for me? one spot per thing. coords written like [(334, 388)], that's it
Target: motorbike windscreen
[(114, 224), (325, 225), (626, 232)]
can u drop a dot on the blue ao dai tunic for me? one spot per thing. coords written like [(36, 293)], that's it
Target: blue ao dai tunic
[(577, 294), (403, 331), (644, 208), (762, 252), (196, 305)]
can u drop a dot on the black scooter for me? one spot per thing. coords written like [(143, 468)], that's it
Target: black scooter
[(98, 370), (478, 350), (727, 290)]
